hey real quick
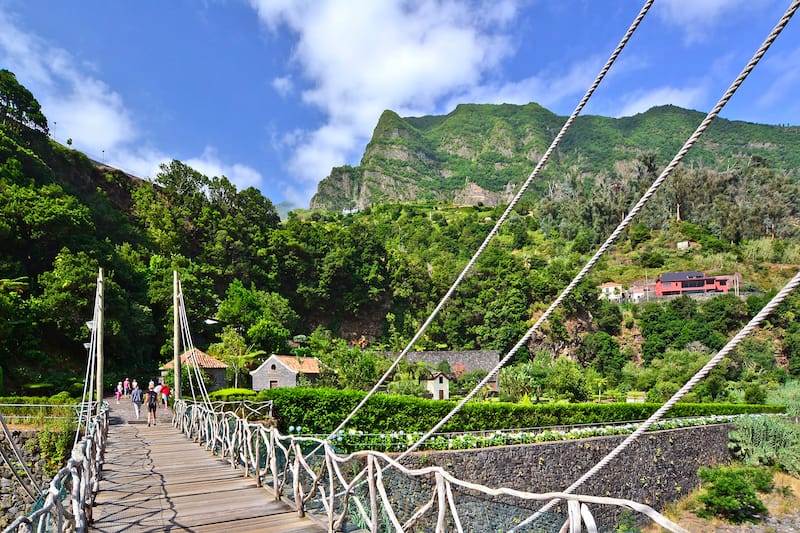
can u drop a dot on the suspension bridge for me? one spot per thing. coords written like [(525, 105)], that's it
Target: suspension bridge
[(206, 469)]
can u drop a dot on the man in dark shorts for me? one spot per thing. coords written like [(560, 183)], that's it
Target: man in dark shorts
[(151, 400)]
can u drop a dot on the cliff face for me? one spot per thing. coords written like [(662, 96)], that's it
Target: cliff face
[(457, 158), (479, 154)]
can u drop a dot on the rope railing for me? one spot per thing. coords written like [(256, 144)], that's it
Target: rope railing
[(68, 501), (365, 488)]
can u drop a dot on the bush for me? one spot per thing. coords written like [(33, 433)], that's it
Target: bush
[(232, 395), (767, 441), (731, 494), (320, 410), (755, 393), (55, 443)]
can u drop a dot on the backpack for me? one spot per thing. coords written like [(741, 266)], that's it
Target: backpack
[(152, 399)]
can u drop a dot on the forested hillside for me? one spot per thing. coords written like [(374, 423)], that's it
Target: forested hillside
[(481, 153), (348, 288)]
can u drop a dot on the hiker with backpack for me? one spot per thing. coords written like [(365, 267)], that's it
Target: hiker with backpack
[(151, 398), (137, 399)]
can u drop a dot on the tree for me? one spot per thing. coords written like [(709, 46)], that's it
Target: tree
[(234, 351), (18, 107), (352, 368), (602, 351), (266, 318), (566, 380), (524, 379)]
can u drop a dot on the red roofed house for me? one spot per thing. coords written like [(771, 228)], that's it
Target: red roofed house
[(283, 371), (690, 282), (216, 369)]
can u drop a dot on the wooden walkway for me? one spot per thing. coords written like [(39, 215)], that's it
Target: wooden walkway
[(155, 479)]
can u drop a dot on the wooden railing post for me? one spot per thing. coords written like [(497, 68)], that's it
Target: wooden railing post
[(373, 496), (273, 464), (258, 458), (298, 498)]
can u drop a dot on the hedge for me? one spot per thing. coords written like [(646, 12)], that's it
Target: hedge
[(321, 410), (27, 411)]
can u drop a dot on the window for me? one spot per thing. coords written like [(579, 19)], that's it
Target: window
[(273, 367), (441, 380), (273, 384)]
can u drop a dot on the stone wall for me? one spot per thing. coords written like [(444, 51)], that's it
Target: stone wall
[(13, 499), (657, 469)]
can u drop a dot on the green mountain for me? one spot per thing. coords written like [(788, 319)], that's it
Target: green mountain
[(479, 154)]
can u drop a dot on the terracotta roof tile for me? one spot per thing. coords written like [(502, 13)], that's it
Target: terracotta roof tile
[(305, 365), (204, 360)]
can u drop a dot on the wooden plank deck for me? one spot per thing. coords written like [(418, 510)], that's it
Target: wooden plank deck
[(155, 479)]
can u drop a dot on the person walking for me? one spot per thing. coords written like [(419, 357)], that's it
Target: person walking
[(118, 391), (137, 399), (152, 404), (126, 387), (165, 394)]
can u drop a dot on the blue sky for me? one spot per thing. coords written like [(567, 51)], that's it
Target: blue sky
[(274, 93)]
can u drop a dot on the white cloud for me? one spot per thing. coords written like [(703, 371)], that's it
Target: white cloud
[(82, 107), (78, 105), (411, 57), (283, 85), (94, 116), (697, 17), (784, 85), (546, 89), (640, 101), (240, 175)]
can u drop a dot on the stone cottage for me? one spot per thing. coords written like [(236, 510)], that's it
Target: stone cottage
[(283, 371)]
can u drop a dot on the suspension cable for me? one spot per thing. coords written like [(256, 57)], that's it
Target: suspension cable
[(553, 145), (742, 333), (91, 364), (20, 460), (625, 222), (189, 345)]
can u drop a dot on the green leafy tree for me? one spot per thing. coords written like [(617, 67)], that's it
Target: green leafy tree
[(566, 380), (234, 351), (524, 379), (347, 367), (18, 107), (264, 317), (602, 351)]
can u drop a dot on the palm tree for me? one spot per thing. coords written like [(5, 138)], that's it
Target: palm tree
[(234, 351)]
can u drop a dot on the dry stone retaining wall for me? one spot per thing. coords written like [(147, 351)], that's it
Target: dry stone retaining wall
[(13, 499), (660, 467)]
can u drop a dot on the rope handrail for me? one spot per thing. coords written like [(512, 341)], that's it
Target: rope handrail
[(512, 204), (327, 484), (81, 476)]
